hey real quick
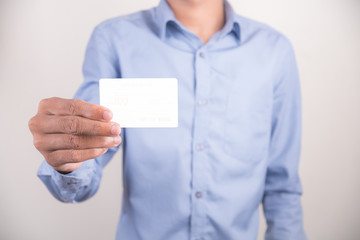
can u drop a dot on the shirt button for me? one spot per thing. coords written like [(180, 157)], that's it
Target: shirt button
[(199, 147), (198, 194), (202, 54), (202, 102)]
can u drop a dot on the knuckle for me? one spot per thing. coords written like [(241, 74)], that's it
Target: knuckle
[(72, 125), (32, 123), (43, 102), (96, 110), (96, 128), (104, 141), (45, 105), (74, 141), (37, 143), (73, 106)]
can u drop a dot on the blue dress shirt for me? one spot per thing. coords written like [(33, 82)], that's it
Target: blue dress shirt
[(238, 140)]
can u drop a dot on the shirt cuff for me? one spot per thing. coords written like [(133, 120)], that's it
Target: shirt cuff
[(65, 186)]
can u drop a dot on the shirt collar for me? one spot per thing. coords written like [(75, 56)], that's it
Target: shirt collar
[(164, 15), (232, 24)]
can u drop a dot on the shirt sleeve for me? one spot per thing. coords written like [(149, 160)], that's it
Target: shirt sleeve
[(81, 184), (281, 202)]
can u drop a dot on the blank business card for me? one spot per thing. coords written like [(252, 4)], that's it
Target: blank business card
[(141, 102)]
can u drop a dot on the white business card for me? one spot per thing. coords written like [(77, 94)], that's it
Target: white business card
[(141, 102)]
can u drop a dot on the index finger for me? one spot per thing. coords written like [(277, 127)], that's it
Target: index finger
[(74, 107)]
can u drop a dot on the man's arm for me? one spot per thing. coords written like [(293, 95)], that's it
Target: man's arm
[(77, 136), (281, 202)]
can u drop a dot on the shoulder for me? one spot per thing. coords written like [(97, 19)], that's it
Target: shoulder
[(260, 32), (133, 21)]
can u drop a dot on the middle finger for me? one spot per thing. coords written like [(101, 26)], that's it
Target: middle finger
[(53, 142)]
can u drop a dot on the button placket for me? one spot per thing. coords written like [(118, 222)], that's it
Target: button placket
[(200, 160)]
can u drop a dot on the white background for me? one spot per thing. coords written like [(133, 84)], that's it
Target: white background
[(42, 46)]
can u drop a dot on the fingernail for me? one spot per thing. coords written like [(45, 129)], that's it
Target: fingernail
[(115, 130), (107, 115), (117, 140)]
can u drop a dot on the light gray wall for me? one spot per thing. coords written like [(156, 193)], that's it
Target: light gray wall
[(42, 45)]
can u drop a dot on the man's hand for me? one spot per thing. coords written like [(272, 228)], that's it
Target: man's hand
[(69, 131)]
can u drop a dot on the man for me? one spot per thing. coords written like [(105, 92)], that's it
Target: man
[(238, 140)]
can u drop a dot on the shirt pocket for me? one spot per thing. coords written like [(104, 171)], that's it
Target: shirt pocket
[(246, 127)]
